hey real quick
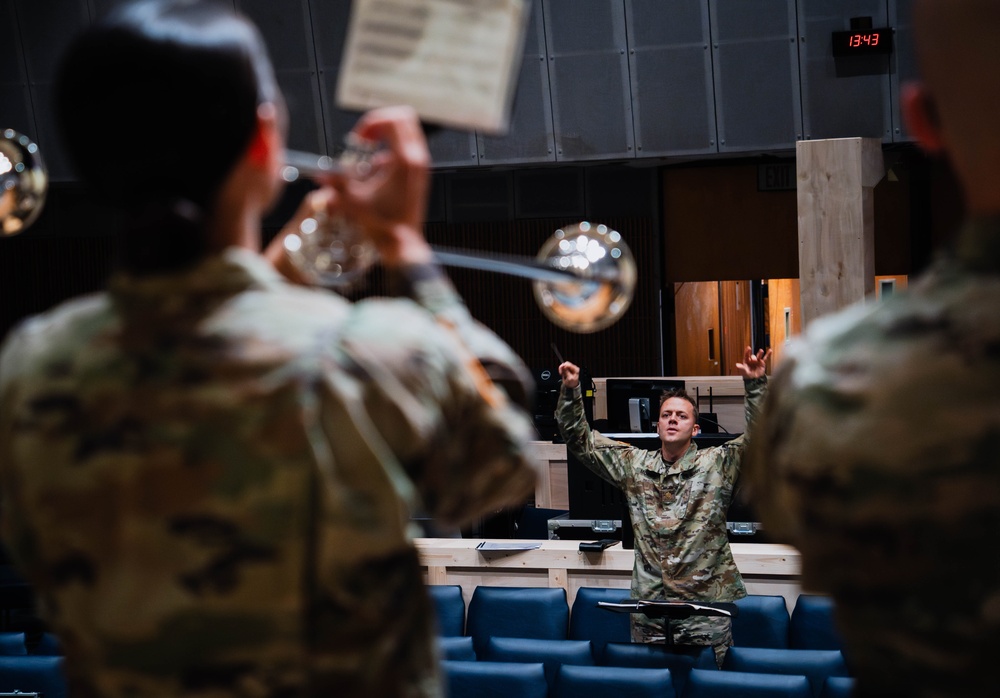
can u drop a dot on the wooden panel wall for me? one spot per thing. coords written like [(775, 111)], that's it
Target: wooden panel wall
[(734, 309), (782, 294), (717, 226)]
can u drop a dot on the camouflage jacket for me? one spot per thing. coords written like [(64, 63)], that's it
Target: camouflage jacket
[(877, 456), (678, 510), (208, 477)]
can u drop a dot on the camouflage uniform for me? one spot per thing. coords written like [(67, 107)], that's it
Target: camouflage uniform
[(208, 476), (877, 457), (678, 515)]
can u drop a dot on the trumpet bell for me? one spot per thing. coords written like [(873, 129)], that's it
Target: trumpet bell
[(330, 252), (604, 283), (23, 182)]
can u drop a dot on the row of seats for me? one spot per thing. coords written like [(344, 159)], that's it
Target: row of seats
[(530, 680), (544, 613), (29, 674), (815, 666), (14, 643)]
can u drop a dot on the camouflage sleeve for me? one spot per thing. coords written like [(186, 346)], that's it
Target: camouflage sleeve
[(462, 440), (733, 452), (430, 287), (763, 485), (11, 357), (606, 457)]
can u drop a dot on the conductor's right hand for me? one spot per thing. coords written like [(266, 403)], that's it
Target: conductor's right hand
[(570, 373)]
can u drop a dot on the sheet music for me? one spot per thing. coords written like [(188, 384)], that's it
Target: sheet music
[(454, 61), (504, 545)]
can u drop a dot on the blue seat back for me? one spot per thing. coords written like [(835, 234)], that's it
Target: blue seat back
[(29, 674), (762, 622), (494, 680), (48, 644), (838, 687), (12, 644), (533, 612), (680, 661), (812, 624), (458, 648), (449, 606), (612, 682), (736, 684), (588, 621), (551, 653), (816, 665)]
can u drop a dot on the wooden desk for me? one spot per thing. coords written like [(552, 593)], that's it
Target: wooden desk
[(766, 568)]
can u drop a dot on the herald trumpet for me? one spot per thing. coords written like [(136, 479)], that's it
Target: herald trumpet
[(583, 277)]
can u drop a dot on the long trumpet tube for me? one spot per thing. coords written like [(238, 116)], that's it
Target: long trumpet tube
[(584, 276), (299, 164)]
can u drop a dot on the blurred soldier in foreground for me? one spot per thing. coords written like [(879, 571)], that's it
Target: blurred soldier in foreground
[(877, 453), (207, 472)]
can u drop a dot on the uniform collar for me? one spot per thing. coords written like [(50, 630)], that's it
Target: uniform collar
[(685, 462), (193, 290)]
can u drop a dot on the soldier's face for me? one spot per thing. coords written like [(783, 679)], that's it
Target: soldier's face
[(676, 424)]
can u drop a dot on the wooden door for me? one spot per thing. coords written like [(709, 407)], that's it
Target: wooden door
[(696, 308), (734, 306)]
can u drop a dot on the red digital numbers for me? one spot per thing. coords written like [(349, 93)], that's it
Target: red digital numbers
[(857, 40)]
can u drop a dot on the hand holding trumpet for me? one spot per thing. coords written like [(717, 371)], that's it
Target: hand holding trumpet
[(388, 205)]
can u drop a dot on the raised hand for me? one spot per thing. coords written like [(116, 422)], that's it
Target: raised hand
[(753, 365), (570, 374)]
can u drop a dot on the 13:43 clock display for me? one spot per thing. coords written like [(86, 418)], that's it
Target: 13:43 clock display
[(864, 42)]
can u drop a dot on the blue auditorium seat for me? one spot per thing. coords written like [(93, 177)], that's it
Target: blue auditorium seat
[(737, 684), (816, 665), (48, 644), (587, 621), (449, 607), (762, 622), (812, 624), (612, 682), (28, 674), (533, 612), (680, 661), (551, 653), (12, 643), (838, 687), (494, 680), (458, 648)]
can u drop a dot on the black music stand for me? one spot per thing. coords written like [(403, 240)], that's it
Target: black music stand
[(672, 610)]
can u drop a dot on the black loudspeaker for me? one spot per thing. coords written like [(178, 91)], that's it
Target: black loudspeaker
[(547, 386)]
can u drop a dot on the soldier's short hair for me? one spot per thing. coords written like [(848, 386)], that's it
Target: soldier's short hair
[(677, 392)]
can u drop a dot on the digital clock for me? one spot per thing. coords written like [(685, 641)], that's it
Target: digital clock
[(864, 42)]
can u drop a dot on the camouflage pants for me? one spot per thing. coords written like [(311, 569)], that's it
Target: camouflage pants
[(714, 632)]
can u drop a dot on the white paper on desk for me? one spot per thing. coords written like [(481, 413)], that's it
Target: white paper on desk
[(487, 545), (454, 61)]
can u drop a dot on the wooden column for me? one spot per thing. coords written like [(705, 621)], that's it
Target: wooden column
[(836, 221)]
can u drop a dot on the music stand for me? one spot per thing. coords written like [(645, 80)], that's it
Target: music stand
[(672, 610)]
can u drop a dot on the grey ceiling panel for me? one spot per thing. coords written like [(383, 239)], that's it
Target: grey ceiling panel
[(756, 69), (904, 61), (842, 97), (589, 80), (287, 31), (673, 101), (46, 30), (530, 138)]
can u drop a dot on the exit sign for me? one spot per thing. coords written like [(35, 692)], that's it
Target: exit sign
[(776, 177)]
